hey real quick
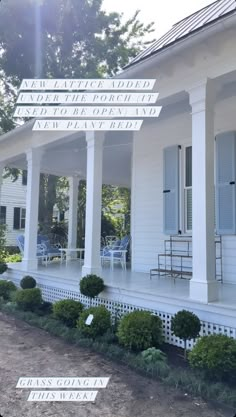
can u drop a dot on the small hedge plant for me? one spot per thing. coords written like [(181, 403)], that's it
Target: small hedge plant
[(28, 282), (46, 308), (67, 311), (155, 361), (100, 324), (140, 330), (91, 285), (3, 267), (29, 299), (6, 289), (215, 355), (186, 326)]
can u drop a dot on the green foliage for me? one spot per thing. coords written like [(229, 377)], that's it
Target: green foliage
[(184, 379), (45, 308), (186, 326), (2, 241), (67, 311), (3, 267), (6, 288), (28, 282), (101, 322), (140, 330), (154, 355), (91, 285), (16, 257), (215, 355), (29, 299), (79, 39)]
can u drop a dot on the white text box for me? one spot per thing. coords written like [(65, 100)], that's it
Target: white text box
[(92, 98), (86, 125)]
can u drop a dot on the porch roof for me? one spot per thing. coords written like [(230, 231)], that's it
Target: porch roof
[(196, 22)]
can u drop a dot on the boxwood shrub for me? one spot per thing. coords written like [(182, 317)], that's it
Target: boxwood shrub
[(215, 355), (67, 311), (91, 285), (140, 330), (100, 324), (28, 282), (6, 288), (29, 299)]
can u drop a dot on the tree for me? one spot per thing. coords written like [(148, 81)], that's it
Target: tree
[(186, 326), (66, 38), (62, 39)]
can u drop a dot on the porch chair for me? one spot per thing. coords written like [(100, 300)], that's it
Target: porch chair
[(116, 252), (45, 251), (41, 251), (52, 250), (110, 240)]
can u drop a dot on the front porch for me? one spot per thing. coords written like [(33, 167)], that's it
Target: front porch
[(129, 289)]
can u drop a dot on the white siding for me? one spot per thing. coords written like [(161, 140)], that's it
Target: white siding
[(13, 194), (147, 187)]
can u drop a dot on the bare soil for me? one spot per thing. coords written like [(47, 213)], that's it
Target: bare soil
[(27, 351)]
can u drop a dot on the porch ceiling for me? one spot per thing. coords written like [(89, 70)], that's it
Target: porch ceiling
[(68, 156)]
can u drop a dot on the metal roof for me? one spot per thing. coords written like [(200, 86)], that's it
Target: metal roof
[(195, 22)]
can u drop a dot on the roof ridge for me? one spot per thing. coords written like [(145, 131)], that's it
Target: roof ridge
[(197, 11)]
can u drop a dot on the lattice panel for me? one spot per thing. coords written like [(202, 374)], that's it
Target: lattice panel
[(118, 309)]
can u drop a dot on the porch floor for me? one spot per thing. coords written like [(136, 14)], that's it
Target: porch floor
[(68, 276)]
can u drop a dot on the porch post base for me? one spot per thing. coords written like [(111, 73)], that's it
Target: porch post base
[(204, 292), (87, 270), (29, 264)]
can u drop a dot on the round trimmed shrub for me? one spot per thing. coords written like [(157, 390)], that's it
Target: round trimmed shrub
[(140, 330), (186, 326), (28, 282), (29, 299), (100, 324), (67, 311), (215, 355), (91, 285), (3, 267), (6, 288)]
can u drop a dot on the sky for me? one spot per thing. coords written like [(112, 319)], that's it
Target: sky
[(163, 12)]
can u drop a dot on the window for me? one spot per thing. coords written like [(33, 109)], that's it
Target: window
[(24, 177), (188, 189), (19, 218), (3, 212)]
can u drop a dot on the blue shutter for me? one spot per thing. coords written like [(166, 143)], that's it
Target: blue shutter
[(225, 183), (171, 190)]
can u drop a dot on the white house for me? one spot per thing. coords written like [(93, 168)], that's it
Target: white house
[(181, 169), (12, 209)]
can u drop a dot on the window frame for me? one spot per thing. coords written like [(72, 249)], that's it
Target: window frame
[(5, 214), (22, 218), (24, 177)]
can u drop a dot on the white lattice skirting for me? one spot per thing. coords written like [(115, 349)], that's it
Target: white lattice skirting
[(118, 308)]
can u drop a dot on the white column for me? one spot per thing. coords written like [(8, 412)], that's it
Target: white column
[(92, 262), (32, 206), (73, 212), (203, 285)]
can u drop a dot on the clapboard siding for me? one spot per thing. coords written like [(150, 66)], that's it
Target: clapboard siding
[(13, 194), (147, 187), (147, 190)]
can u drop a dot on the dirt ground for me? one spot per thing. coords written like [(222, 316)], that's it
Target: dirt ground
[(26, 351)]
